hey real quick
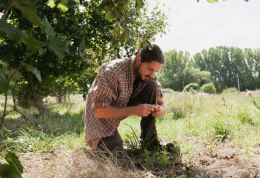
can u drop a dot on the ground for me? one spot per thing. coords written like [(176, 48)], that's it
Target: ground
[(223, 161)]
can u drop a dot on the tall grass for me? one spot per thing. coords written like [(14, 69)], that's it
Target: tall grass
[(192, 118)]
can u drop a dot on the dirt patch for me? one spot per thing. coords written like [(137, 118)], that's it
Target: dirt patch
[(73, 164), (223, 161)]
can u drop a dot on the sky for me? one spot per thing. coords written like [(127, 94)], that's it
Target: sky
[(197, 26)]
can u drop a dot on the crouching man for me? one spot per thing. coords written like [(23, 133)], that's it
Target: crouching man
[(123, 88)]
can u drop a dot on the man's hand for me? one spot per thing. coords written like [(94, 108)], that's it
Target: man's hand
[(143, 110), (157, 111)]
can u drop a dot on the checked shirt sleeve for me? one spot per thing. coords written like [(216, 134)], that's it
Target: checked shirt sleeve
[(105, 90)]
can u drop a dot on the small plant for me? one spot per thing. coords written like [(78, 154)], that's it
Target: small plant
[(208, 88), (256, 104), (221, 129), (245, 117), (177, 113)]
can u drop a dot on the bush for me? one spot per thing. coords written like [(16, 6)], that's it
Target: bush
[(167, 90), (230, 90), (208, 88), (191, 86)]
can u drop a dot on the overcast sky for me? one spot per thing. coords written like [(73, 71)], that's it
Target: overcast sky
[(197, 26)]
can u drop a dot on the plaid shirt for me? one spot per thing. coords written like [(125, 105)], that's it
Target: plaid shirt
[(112, 86)]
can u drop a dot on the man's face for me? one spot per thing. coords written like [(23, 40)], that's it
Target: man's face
[(146, 70)]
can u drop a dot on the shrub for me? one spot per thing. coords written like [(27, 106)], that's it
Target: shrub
[(208, 88), (230, 90), (167, 90), (191, 86)]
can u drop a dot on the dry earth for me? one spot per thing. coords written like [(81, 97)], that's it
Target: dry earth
[(223, 161)]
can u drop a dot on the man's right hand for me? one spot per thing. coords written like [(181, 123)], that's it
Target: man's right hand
[(143, 110)]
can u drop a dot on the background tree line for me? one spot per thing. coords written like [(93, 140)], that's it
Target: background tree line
[(220, 65)]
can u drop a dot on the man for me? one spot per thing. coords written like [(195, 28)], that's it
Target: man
[(122, 88)]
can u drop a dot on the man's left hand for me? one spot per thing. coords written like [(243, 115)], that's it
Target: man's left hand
[(157, 111)]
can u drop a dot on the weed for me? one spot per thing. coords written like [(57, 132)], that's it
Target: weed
[(245, 116)]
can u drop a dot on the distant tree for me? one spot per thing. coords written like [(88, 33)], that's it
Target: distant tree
[(177, 73), (226, 64)]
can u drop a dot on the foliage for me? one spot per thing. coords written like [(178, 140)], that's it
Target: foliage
[(227, 64), (208, 88), (230, 90), (13, 169), (76, 37), (191, 86), (177, 73), (253, 99)]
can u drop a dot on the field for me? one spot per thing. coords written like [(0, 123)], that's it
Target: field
[(215, 136)]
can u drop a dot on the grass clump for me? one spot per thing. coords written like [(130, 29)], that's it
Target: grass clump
[(230, 90)]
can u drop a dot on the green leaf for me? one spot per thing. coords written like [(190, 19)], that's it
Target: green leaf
[(5, 64), (139, 4), (13, 169), (63, 5), (32, 44), (27, 117), (122, 31), (13, 33), (138, 43), (212, 1), (18, 35), (17, 76), (9, 72), (150, 45), (28, 10), (35, 71), (3, 81), (58, 47), (51, 3), (46, 27), (41, 52), (109, 16)]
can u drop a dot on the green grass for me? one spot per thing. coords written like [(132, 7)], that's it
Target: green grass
[(208, 117)]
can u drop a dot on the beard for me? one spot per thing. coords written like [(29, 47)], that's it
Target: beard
[(139, 75)]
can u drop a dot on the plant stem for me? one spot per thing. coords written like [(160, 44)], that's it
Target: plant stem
[(18, 68), (6, 93)]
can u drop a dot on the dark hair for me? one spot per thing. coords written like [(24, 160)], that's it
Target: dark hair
[(152, 54)]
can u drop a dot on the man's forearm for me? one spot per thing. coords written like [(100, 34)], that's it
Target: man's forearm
[(113, 112)]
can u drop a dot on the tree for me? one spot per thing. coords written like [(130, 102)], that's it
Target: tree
[(226, 64), (177, 73), (92, 31)]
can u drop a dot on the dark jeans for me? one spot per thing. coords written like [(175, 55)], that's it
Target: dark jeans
[(148, 129)]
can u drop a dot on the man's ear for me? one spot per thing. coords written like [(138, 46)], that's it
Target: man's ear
[(138, 60)]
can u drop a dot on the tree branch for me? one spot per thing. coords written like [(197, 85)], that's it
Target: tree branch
[(6, 11)]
